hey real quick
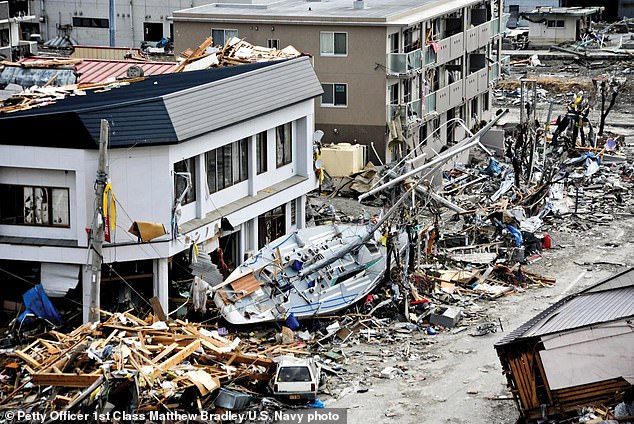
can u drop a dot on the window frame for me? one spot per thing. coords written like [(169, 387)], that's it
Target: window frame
[(334, 95), (224, 35), (81, 22), (191, 196), (286, 146), (50, 211), (275, 41), (334, 53), (555, 23), (227, 165), (261, 153)]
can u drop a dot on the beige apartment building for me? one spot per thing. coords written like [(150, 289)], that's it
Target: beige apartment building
[(394, 72)]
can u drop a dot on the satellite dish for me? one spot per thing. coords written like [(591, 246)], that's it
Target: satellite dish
[(317, 136), (135, 71)]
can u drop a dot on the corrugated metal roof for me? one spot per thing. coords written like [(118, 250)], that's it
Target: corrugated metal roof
[(217, 104), (94, 70), (102, 70), (138, 114), (608, 300)]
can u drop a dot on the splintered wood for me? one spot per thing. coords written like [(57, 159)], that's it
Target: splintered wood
[(234, 52), (166, 359)]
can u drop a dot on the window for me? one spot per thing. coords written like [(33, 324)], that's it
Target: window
[(273, 43), (261, 153), (28, 205), (474, 108), (90, 22), (4, 37), (334, 95), (333, 43), (180, 181), (393, 93), (485, 102), (152, 31), (393, 40), (559, 23), (220, 36), (227, 165), (293, 211), (283, 144), (271, 225)]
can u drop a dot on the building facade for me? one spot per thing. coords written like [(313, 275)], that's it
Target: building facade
[(553, 25), (13, 30), (248, 160), (393, 73)]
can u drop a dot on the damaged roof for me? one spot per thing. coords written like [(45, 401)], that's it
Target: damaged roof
[(609, 300), (164, 109)]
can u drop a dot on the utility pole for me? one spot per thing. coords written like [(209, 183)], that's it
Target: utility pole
[(97, 229), (112, 23)]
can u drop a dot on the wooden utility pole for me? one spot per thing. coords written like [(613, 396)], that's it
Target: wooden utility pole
[(97, 229)]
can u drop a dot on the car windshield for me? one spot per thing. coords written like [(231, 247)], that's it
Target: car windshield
[(293, 374)]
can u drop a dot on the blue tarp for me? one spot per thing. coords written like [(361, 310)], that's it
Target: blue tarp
[(37, 303), (519, 240)]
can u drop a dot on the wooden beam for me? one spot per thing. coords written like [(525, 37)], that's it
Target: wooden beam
[(179, 357), (64, 380)]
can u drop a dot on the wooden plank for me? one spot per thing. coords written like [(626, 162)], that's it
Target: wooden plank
[(28, 359), (180, 356), (519, 381), (157, 308), (64, 380), (165, 352)]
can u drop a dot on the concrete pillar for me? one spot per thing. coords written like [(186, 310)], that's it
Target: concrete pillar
[(86, 279), (301, 212), (242, 242), (161, 282), (201, 186), (253, 170), (252, 228)]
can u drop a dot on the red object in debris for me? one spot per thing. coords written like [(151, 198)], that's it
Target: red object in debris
[(369, 299), (419, 302), (547, 243)]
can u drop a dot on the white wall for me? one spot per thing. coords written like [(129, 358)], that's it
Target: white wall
[(539, 32), (143, 183), (132, 15)]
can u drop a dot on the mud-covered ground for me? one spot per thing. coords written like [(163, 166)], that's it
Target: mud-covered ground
[(449, 377)]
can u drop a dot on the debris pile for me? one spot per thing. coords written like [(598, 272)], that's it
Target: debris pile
[(235, 52), (129, 364)]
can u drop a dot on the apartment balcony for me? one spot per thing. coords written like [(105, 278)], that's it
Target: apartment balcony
[(478, 36), (410, 114), (430, 104), (450, 48), (495, 29), (455, 94), (404, 64), (430, 55), (442, 100)]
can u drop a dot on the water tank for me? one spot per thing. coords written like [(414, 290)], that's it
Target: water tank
[(343, 159)]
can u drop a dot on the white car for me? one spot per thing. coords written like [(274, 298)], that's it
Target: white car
[(295, 379)]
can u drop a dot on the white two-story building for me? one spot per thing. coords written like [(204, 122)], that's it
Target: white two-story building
[(243, 134)]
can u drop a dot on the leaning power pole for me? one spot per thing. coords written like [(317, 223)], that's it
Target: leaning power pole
[(97, 229)]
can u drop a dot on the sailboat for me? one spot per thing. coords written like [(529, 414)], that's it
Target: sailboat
[(311, 272)]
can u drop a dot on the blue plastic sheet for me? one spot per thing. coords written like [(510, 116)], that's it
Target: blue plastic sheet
[(519, 240), (37, 303)]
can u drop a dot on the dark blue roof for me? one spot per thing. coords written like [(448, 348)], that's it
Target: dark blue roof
[(136, 113)]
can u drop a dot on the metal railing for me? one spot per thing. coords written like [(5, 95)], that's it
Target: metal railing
[(404, 63), (430, 56)]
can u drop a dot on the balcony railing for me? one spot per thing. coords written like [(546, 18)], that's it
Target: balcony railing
[(430, 56), (408, 112), (404, 63), (430, 103)]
